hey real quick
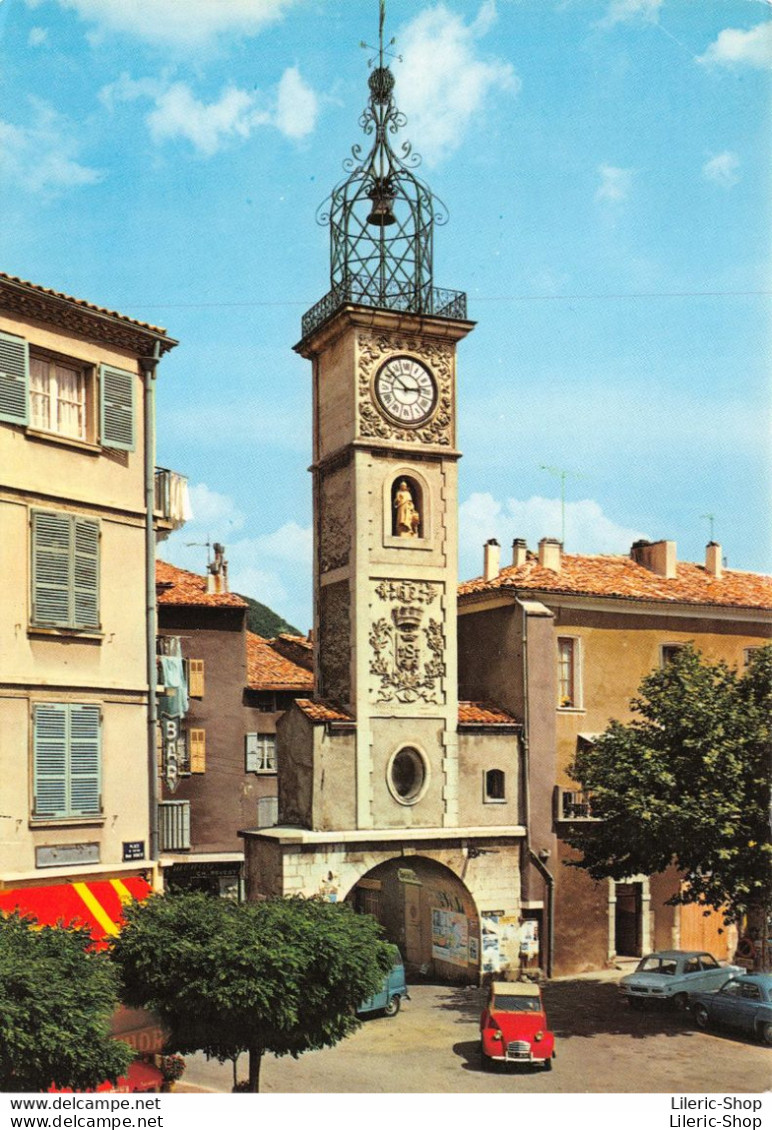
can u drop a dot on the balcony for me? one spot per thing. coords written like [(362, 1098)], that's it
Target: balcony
[(572, 805), (172, 502), (425, 300)]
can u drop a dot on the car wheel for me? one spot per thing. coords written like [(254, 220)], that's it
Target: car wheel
[(765, 1033), (392, 1008), (548, 1064), (486, 1061), (701, 1016), (681, 1002)]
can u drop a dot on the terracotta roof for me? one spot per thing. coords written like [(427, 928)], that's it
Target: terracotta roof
[(177, 586), (268, 670), (298, 649), (81, 302), (484, 714), (624, 579), (322, 711)]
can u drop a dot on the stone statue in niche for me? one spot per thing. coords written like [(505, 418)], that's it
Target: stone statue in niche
[(407, 519)]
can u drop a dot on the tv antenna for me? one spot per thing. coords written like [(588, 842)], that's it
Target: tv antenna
[(562, 473), (710, 518)]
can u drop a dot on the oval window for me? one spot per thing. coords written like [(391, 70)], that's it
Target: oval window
[(407, 775)]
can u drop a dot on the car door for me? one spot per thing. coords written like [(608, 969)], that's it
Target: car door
[(748, 1005), (712, 974), (723, 1006)]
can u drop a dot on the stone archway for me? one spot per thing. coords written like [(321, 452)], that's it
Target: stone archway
[(428, 912)]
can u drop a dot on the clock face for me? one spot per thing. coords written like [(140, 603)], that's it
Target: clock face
[(405, 391)]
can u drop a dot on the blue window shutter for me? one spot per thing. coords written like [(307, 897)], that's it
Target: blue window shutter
[(51, 556), (85, 579), (14, 379), (117, 408), (85, 760), (50, 756)]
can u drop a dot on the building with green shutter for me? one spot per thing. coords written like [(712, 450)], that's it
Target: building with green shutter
[(81, 506)]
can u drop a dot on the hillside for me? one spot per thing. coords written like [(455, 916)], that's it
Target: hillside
[(265, 622)]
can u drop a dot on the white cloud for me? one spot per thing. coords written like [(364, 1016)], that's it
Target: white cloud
[(624, 11), (178, 114), (37, 36), (615, 184), (42, 157), (216, 513), (296, 105), (752, 48), (442, 83), (588, 529), (179, 24), (723, 169)]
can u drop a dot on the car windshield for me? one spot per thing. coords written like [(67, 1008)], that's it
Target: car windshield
[(503, 1003), (654, 964)]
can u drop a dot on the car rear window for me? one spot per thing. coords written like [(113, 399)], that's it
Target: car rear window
[(517, 1004)]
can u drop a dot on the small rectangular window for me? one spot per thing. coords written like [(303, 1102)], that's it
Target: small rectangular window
[(260, 753), (60, 397), (568, 672), (197, 751), (668, 652), (195, 678), (495, 786)]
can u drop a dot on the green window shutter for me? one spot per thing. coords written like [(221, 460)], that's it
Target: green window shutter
[(118, 427), (85, 576), (84, 761), (50, 756), (14, 379), (51, 544)]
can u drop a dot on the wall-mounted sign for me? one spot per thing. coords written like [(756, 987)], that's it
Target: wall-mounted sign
[(407, 875), (170, 733), (133, 850), (65, 855)]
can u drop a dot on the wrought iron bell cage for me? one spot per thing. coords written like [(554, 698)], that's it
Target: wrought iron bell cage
[(382, 219)]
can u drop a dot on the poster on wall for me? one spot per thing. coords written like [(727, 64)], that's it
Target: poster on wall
[(450, 937), (489, 935)]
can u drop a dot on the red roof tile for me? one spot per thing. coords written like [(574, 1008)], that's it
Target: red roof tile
[(177, 586), (322, 711), (484, 714), (624, 579), (268, 670), (82, 302)]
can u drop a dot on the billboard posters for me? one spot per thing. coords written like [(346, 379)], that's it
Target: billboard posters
[(450, 937)]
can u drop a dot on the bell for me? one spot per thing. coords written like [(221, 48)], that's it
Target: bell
[(382, 196)]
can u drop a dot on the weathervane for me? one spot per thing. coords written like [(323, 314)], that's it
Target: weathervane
[(382, 216)]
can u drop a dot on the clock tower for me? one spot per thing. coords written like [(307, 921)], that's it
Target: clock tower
[(377, 768)]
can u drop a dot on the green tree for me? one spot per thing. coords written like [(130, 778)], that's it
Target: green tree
[(279, 975), (688, 782), (56, 999)]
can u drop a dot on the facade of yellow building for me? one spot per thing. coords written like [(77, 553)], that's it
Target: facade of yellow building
[(81, 503)]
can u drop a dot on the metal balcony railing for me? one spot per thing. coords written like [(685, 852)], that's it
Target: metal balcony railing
[(573, 805), (426, 300)]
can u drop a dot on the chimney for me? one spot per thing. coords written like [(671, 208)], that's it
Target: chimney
[(519, 552), (713, 559), (217, 571), (550, 551), (658, 557), (491, 559)]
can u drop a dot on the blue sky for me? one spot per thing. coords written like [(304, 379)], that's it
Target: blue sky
[(606, 166)]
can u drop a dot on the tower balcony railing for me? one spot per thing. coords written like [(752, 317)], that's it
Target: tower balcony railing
[(429, 300)]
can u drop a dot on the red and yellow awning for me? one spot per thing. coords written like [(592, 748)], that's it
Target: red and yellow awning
[(97, 906)]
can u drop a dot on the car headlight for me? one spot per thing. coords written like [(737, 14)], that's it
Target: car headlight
[(495, 1035), (538, 1036)]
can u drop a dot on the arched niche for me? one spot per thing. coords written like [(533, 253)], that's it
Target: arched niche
[(407, 517)]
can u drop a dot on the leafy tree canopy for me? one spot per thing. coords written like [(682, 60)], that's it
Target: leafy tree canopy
[(56, 1000), (265, 622), (280, 975), (687, 781)]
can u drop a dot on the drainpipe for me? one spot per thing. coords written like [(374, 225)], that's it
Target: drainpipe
[(149, 365)]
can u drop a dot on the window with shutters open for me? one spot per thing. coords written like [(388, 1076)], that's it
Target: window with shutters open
[(61, 395), (67, 760), (118, 425), (260, 753), (65, 570), (14, 379)]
